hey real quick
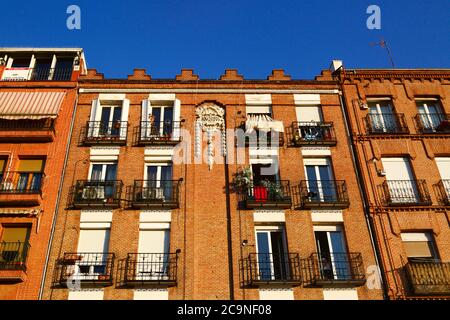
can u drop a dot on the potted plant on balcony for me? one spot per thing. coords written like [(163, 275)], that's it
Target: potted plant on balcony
[(274, 190), (242, 179)]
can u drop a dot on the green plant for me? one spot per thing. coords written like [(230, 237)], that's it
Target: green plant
[(242, 179), (274, 189)]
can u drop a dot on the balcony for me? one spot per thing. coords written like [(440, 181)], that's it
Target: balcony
[(89, 269), (25, 130), (386, 123), (312, 134), (433, 123), (262, 139), (13, 258), (160, 133), (104, 133), (21, 188), (151, 269), (156, 194), (316, 194), (100, 194), (268, 194), (37, 74), (406, 193), (265, 269), (429, 278), (335, 270), (443, 188)]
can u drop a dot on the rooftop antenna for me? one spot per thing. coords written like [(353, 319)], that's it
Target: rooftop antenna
[(383, 44)]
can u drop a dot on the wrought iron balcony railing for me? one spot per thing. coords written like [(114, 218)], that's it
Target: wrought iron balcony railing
[(428, 277), (262, 139), (149, 269), (393, 123), (271, 269), (275, 194), (90, 269), (38, 74), (433, 122), (160, 133), (443, 188), (156, 193), (97, 193), (321, 193), (99, 132), (312, 133), (14, 182), (334, 270), (27, 125), (13, 255), (406, 193)]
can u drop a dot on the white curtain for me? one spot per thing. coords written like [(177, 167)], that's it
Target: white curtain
[(262, 122)]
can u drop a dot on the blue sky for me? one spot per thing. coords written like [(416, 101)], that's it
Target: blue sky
[(255, 37)]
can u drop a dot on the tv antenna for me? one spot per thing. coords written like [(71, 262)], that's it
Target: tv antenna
[(383, 44)]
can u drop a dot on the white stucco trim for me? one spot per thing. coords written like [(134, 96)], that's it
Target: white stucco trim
[(276, 294), (316, 151), (320, 216), (340, 294), (155, 216), (269, 216), (96, 216)]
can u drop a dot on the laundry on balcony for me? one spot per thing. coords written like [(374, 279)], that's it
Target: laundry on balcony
[(262, 122)]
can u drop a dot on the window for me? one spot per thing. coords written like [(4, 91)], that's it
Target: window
[(161, 121), (93, 245), (382, 116), (400, 180), (262, 172), (332, 253), (63, 68), (443, 164), (419, 246), (2, 167), (110, 120), (14, 245), (309, 114), (102, 181), (430, 114), (271, 248), (158, 183), (153, 255), (320, 180), (42, 69), (30, 173), (21, 63)]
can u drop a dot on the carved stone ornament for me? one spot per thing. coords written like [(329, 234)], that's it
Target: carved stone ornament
[(210, 119)]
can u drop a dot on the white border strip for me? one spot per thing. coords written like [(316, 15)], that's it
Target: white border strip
[(200, 90)]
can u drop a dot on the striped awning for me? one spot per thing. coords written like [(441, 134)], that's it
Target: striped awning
[(18, 212), (15, 105)]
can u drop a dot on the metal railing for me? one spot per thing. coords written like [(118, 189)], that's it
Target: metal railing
[(156, 192), (13, 255), (443, 188), (334, 269), (262, 139), (406, 192), (268, 268), (25, 125), (155, 268), (386, 123), (317, 193), (38, 74), (268, 193), (165, 132), (16, 182), (103, 193), (433, 122), (86, 267), (105, 132), (313, 133), (428, 277)]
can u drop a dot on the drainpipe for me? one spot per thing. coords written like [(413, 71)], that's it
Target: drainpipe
[(363, 193), (229, 234), (58, 199)]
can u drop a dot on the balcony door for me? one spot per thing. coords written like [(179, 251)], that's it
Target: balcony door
[(162, 119), (309, 119), (320, 180), (272, 257), (430, 115), (400, 180), (13, 246), (102, 184), (443, 164), (93, 245), (382, 116), (153, 255), (158, 183), (30, 173), (110, 121), (332, 253)]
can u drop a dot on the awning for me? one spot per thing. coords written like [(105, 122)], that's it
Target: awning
[(15, 105), (18, 212), (262, 122)]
